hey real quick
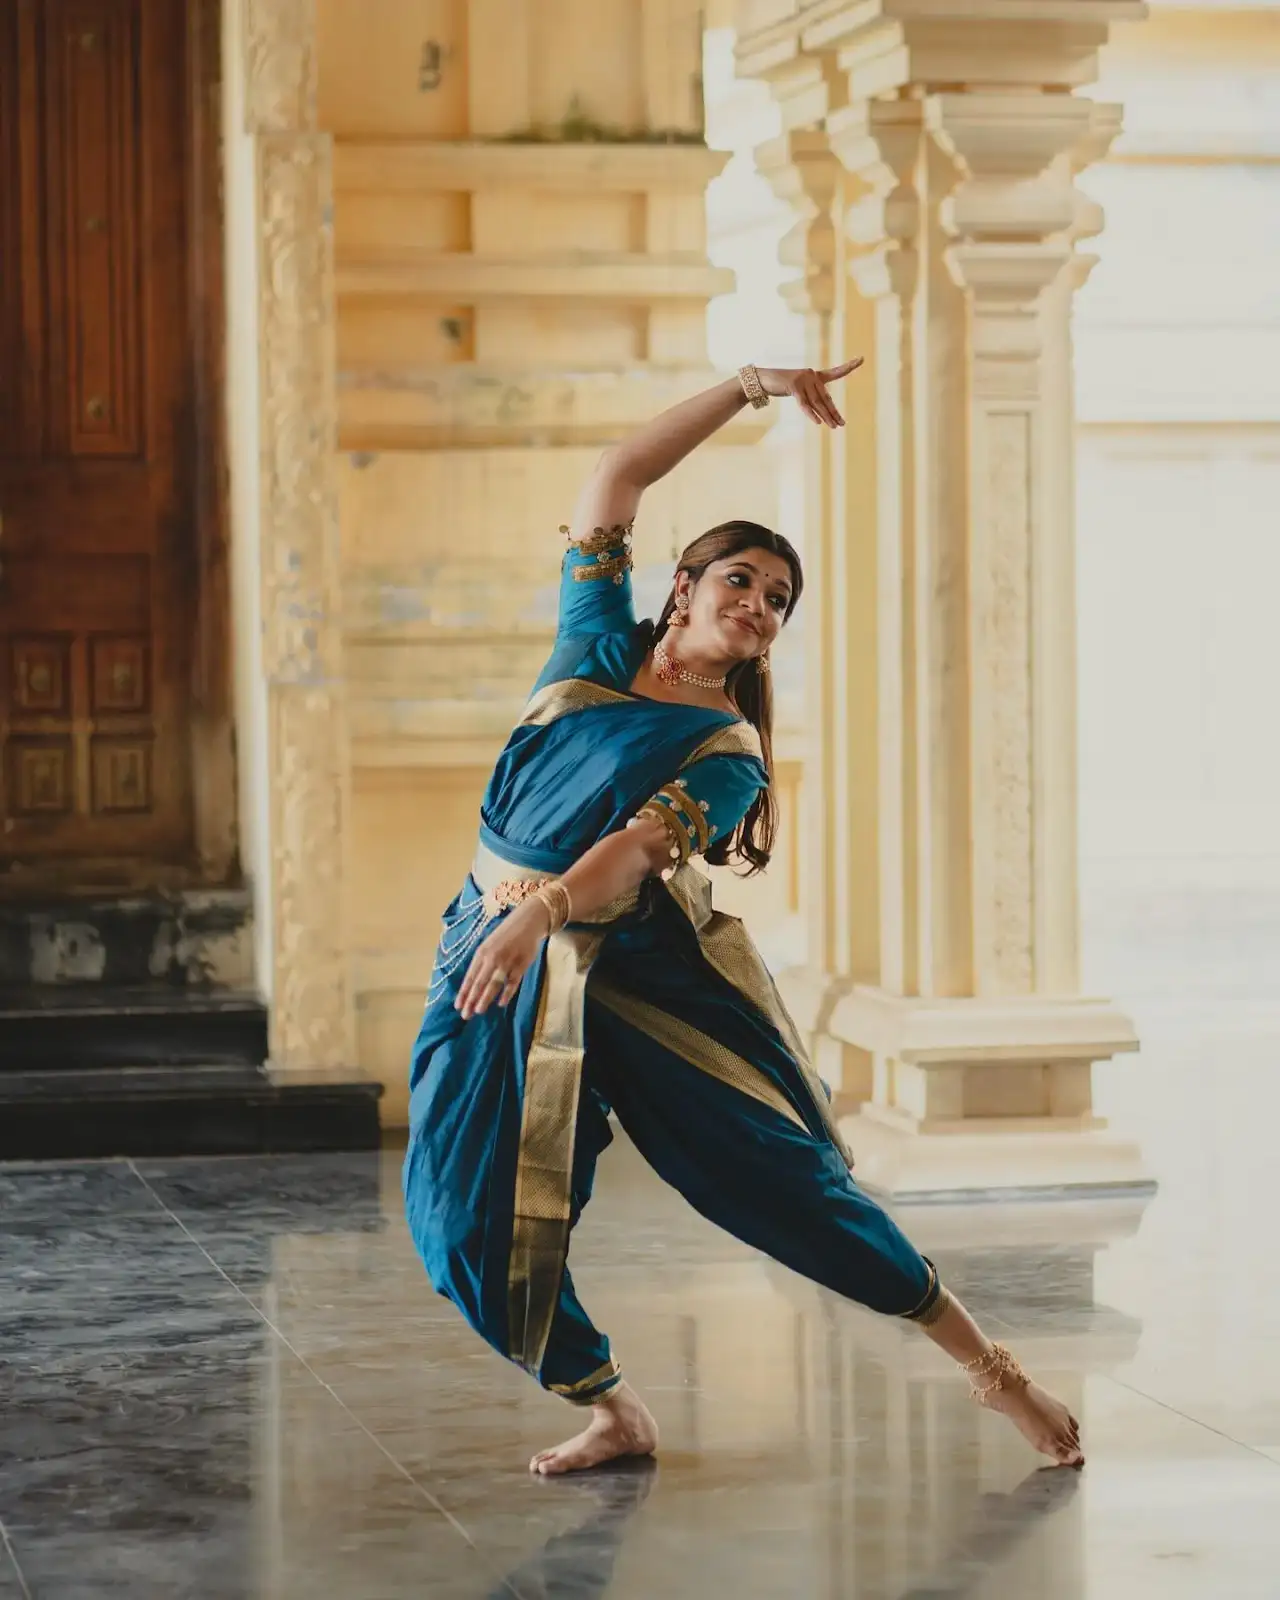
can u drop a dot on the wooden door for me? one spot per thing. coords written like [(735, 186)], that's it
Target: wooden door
[(97, 446)]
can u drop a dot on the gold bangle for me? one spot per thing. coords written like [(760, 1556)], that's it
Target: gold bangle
[(752, 387), (555, 897)]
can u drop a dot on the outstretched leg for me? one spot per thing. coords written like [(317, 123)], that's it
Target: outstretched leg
[(999, 1383), (781, 1186)]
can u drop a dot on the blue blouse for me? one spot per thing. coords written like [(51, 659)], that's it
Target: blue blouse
[(563, 783)]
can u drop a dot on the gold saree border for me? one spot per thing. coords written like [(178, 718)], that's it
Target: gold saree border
[(555, 700), (738, 739), (697, 1048), (935, 1304), (593, 1387), (544, 1164), (728, 948)]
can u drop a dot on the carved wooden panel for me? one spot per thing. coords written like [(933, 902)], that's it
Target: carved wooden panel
[(118, 674), (40, 776), (93, 135), (41, 669), (97, 480), (121, 774)]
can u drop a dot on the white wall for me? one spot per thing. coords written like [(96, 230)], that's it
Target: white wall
[(1178, 528), (1179, 574), (243, 436)]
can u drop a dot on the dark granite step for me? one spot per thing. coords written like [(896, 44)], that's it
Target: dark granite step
[(201, 1109), (188, 936), (67, 1027)]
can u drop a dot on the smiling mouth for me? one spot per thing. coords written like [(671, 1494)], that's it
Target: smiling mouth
[(739, 623)]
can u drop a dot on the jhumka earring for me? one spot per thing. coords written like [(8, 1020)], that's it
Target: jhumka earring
[(762, 665), (680, 616)]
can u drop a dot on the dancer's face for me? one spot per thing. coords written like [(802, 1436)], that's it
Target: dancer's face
[(738, 606)]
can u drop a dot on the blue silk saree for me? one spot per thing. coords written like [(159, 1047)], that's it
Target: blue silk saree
[(657, 1009)]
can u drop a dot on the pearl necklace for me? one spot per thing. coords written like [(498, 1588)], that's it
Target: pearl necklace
[(670, 671)]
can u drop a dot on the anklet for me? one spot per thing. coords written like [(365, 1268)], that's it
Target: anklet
[(1000, 1366)]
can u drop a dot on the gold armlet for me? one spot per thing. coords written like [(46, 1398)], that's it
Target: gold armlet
[(680, 844), (615, 567), (601, 540)]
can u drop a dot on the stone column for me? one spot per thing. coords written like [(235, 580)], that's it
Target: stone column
[(803, 171), (840, 890), (310, 989), (980, 1046)]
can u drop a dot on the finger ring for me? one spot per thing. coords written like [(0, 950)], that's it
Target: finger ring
[(498, 977)]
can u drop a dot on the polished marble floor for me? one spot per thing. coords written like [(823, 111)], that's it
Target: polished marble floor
[(229, 1378)]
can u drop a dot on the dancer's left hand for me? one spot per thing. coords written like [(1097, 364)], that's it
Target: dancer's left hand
[(502, 959), (809, 388)]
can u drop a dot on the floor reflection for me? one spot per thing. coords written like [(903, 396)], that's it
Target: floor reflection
[(578, 1564), (1001, 1523), (231, 1379)]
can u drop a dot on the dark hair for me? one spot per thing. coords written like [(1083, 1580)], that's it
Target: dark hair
[(750, 689)]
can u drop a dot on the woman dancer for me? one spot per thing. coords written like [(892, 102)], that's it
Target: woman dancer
[(582, 969)]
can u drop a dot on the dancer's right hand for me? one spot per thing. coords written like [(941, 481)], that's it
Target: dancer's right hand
[(809, 389), (501, 961)]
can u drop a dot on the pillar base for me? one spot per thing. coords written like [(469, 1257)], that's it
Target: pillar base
[(978, 1099), (1013, 1162), (810, 996)]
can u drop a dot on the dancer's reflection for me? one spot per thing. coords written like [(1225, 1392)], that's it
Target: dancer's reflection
[(578, 1565), (1002, 1522)]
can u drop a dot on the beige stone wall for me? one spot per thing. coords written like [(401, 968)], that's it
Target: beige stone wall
[(521, 275)]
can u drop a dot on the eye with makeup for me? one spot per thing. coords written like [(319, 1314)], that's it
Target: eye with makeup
[(740, 580)]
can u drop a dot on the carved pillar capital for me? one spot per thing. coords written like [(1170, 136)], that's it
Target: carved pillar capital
[(879, 141), (802, 171), (1011, 214), (1105, 124)]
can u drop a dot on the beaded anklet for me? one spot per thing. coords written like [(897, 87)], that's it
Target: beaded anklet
[(1000, 1366)]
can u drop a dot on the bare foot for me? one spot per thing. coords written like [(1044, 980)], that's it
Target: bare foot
[(619, 1426), (1043, 1421)]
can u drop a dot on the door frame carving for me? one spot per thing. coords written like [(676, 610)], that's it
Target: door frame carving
[(212, 711)]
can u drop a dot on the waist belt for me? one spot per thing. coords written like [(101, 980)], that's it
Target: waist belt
[(505, 884)]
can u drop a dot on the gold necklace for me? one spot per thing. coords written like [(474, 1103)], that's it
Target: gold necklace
[(670, 671)]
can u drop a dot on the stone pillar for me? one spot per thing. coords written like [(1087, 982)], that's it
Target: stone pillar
[(310, 987), (522, 277), (979, 1044), (803, 171), (840, 891)]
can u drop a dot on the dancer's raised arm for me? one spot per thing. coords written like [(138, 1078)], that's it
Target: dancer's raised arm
[(611, 495)]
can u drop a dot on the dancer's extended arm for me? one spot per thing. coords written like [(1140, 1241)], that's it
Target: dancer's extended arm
[(612, 493)]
